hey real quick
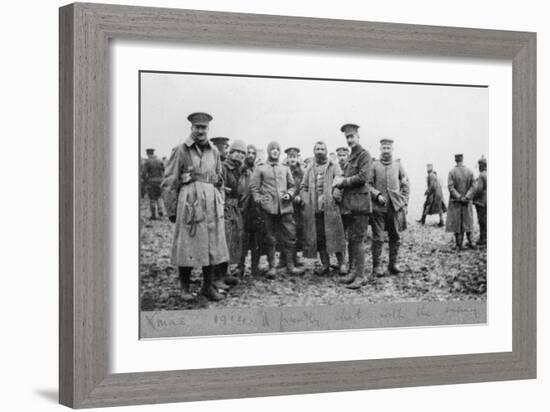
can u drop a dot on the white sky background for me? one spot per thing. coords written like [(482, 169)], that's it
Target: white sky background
[(428, 123)]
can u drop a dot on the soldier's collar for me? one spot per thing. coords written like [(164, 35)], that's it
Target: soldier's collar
[(189, 142)]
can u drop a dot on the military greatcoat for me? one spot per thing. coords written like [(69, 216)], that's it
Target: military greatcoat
[(460, 213), (199, 235)]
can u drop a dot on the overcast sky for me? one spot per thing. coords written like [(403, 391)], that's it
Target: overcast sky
[(428, 123)]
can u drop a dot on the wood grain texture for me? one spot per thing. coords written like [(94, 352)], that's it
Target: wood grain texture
[(85, 30)]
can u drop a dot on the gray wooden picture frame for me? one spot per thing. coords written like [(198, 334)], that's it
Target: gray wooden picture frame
[(85, 31)]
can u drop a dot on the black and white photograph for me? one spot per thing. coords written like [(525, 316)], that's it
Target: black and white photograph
[(275, 204)]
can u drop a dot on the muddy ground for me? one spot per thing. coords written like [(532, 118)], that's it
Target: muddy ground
[(434, 271)]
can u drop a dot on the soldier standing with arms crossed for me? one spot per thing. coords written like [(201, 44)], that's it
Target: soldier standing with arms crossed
[(356, 203)]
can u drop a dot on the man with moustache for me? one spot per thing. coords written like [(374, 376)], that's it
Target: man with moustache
[(390, 193), (460, 213), (356, 203), (323, 227), (252, 217), (194, 173), (273, 189), (233, 190)]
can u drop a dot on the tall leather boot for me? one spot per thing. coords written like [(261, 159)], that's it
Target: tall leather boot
[(219, 271), (459, 240), (208, 289), (325, 264), (422, 220), (342, 268), (353, 257), (441, 221), (470, 244), (185, 281), (376, 252), (281, 264), (393, 266), (255, 261), (272, 272), (153, 209), (290, 267), (350, 258), (358, 265)]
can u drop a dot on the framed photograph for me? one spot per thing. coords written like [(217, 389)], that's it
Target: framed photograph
[(257, 205)]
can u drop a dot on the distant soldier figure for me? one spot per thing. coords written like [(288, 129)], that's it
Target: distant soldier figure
[(434, 204), (478, 193), (153, 173), (356, 204), (323, 227), (342, 154), (390, 194), (234, 227), (195, 172), (273, 189), (222, 144), (460, 213), (293, 162), (252, 215)]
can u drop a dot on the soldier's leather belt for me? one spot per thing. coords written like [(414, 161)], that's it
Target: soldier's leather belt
[(205, 178)]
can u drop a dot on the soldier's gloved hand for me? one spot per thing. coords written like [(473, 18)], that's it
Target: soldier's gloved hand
[(337, 195), (172, 219), (338, 181), (298, 200), (186, 178), (286, 197), (381, 199)]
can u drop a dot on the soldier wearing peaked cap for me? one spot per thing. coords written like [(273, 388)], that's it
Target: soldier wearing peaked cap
[(152, 174), (460, 213), (434, 204), (222, 144), (293, 162), (342, 153), (194, 174), (478, 194), (390, 194), (355, 204), (234, 226)]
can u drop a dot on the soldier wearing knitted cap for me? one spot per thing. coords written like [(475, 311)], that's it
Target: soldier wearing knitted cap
[(478, 194), (390, 194), (233, 190), (460, 213), (273, 189), (355, 204), (193, 176), (222, 144)]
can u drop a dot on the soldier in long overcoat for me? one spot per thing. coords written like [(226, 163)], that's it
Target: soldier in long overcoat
[(323, 226), (356, 204), (478, 194), (434, 204), (234, 227), (273, 189), (390, 194), (194, 172), (460, 213)]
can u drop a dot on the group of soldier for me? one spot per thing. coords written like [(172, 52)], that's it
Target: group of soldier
[(224, 202)]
